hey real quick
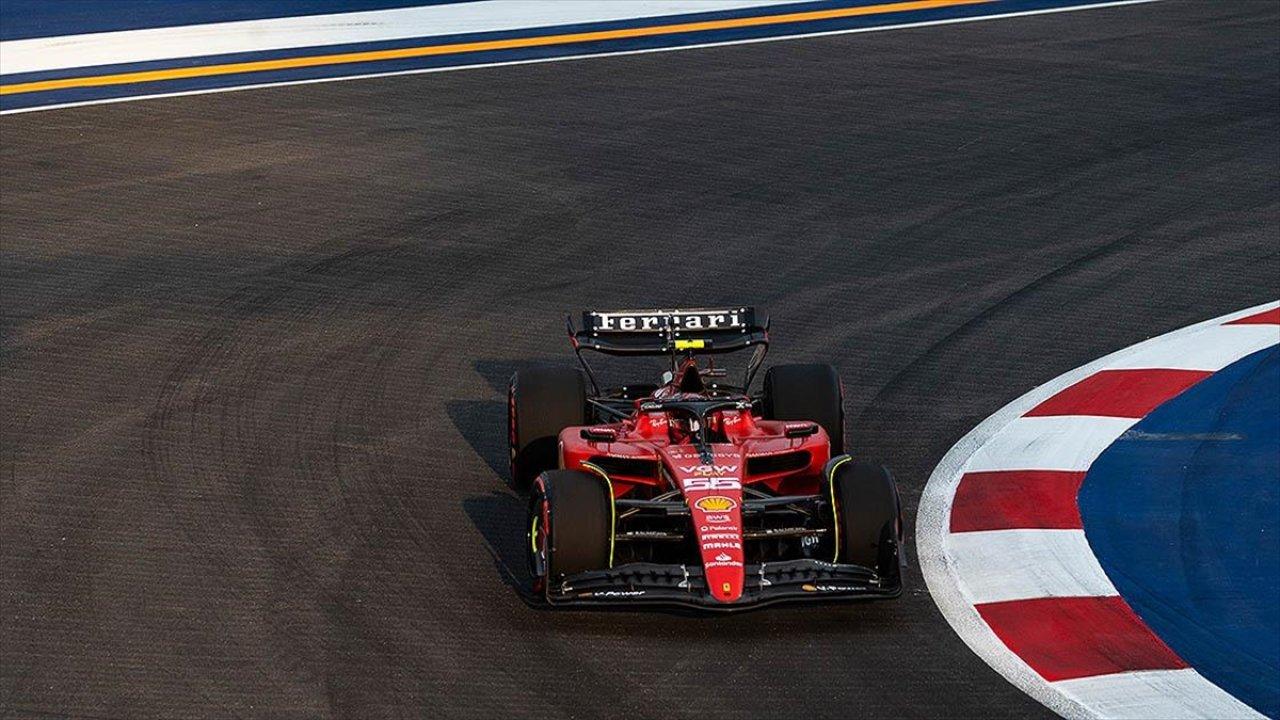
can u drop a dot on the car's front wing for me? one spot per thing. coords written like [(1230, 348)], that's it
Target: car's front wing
[(792, 580)]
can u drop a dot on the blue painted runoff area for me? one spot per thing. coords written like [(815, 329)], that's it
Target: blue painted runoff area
[(20, 19), (1183, 512)]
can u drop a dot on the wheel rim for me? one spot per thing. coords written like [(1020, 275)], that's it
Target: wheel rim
[(539, 540)]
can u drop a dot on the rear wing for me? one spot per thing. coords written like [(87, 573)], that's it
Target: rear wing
[(661, 332), (671, 332)]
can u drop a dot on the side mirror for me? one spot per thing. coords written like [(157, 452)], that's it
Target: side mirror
[(600, 434), (800, 429)]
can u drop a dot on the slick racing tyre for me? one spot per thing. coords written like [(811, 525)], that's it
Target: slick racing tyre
[(807, 392), (570, 525), (540, 403), (868, 517)]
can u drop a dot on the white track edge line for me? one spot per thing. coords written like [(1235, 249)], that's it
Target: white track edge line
[(532, 61)]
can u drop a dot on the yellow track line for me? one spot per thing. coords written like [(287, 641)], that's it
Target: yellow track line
[(417, 52)]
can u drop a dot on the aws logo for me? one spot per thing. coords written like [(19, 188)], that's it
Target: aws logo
[(715, 503)]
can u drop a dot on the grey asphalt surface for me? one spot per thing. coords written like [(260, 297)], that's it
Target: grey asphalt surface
[(254, 345)]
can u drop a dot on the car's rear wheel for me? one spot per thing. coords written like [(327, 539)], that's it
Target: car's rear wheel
[(868, 517), (807, 392), (570, 525), (540, 403)]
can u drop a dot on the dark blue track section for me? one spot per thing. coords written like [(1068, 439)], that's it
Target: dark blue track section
[(47, 18), (1183, 512)]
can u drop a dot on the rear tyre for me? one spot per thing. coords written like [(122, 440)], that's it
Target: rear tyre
[(540, 403), (570, 525), (807, 392), (868, 518)]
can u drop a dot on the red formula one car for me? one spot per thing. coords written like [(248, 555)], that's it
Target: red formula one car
[(693, 491)]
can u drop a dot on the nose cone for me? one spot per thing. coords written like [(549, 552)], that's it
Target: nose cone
[(712, 487), (717, 517), (726, 582)]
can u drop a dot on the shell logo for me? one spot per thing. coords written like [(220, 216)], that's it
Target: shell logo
[(715, 503)]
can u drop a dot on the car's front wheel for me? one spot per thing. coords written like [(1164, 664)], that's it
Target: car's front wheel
[(570, 525), (867, 517)]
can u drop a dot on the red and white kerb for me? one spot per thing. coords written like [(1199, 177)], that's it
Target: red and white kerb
[(1004, 551)]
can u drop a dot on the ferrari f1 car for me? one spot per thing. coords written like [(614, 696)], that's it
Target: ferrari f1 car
[(691, 490)]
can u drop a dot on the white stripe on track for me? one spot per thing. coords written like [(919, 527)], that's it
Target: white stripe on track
[(1157, 695), (1212, 348), (1064, 442), (1001, 565)]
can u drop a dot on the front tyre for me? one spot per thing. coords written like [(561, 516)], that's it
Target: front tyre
[(868, 517), (570, 526)]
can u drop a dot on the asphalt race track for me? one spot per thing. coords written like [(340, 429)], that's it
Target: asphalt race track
[(255, 345)]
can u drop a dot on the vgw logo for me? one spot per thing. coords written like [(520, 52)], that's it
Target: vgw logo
[(704, 482), (709, 469)]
